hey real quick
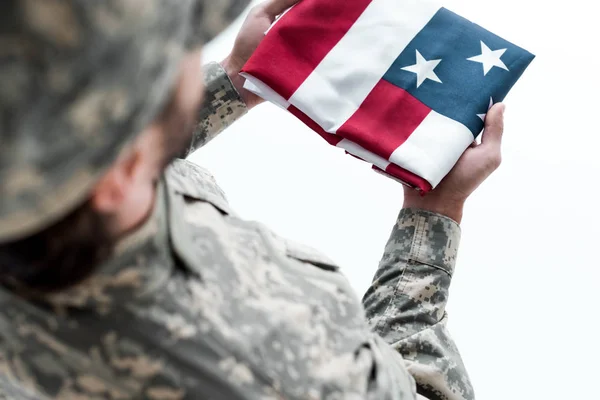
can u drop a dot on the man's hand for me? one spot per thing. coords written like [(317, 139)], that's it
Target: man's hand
[(476, 164), (251, 34)]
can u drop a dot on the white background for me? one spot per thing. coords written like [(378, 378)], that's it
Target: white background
[(525, 296)]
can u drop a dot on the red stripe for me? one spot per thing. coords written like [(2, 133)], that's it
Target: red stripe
[(397, 172), (298, 43), (382, 172), (331, 139), (408, 177), (387, 117)]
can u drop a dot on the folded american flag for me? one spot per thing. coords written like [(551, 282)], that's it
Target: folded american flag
[(402, 84)]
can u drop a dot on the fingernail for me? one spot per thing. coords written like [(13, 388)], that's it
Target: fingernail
[(502, 109)]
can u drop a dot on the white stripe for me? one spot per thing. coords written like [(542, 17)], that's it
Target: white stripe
[(433, 148), (393, 178), (342, 81), (363, 153), (262, 90)]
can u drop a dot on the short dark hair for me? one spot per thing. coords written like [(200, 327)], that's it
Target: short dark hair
[(69, 251), (60, 256)]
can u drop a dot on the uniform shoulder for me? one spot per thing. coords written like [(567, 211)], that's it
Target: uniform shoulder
[(196, 182)]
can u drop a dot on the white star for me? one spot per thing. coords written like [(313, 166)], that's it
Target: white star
[(424, 69), (482, 116), (489, 58)]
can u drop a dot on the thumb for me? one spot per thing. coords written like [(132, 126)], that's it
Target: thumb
[(494, 126), (273, 8)]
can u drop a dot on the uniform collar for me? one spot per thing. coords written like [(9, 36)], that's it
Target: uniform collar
[(140, 265)]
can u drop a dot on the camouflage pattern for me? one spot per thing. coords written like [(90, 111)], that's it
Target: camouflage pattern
[(199, 304), (78, 80), (406, 304), (223, 106), (210, 17)]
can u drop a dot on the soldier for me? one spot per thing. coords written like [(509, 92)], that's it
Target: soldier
[(126, 274)]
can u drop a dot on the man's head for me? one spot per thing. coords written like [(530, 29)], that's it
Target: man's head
[(95, 99)]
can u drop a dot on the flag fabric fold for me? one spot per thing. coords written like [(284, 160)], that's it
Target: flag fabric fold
[(401, 84)]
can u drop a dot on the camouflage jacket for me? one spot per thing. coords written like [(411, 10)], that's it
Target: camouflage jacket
[(200, 304)]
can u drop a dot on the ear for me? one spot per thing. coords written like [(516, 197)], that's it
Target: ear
[(113, 188)]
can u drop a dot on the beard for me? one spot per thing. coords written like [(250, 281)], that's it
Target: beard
[(60, 256), (71, 250)]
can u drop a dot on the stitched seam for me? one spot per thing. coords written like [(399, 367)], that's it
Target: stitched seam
[(419, 258), (402, 280), (418, 237), (397, 289), (439, 322), (432, 266), (416, 248)]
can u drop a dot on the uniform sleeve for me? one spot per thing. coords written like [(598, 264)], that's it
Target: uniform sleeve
[(406, 303), (222, 106)]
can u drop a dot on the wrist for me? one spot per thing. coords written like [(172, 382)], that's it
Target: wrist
[(451, 208), (232, 69)]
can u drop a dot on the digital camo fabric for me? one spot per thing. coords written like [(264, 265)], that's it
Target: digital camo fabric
[(199, 303), (78, 81)]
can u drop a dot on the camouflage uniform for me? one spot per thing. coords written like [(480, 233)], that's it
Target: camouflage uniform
[(200, 304)]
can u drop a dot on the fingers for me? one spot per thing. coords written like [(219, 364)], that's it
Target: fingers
[(494, 126), (491, 141), (273, 8)]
